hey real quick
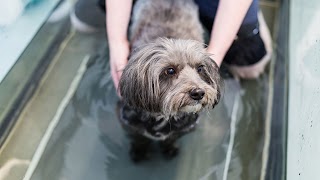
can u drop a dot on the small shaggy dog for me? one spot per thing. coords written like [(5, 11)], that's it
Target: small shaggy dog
[(169, 78)]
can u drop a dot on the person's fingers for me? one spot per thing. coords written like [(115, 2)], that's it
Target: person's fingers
[(119, 74), (117, 65), (116, 73), (216, 59), (115, 78)]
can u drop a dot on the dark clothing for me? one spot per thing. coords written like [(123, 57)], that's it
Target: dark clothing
[(248, 48), (208, 10)]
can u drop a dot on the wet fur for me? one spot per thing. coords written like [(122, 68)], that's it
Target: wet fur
[(166, 34)]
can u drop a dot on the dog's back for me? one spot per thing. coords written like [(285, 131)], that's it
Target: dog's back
[(164, 18)]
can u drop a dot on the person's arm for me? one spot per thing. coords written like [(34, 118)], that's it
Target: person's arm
[(229, 17), (117, 19)]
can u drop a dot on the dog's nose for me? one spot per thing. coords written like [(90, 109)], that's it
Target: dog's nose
[(197, 94)]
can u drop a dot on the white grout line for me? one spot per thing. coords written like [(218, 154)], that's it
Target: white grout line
[(232, 135), (45, 139)]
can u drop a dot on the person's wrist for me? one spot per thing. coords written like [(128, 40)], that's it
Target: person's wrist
[(216, 55), (119, 46), (116, 43)]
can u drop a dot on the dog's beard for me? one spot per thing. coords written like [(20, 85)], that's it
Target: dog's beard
[(191, 108), (177, 99)]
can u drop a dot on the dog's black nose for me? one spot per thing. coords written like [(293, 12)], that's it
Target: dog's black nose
[(197, 94)]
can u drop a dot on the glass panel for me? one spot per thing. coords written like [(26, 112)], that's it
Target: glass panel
[(303, 129), (17, 33)]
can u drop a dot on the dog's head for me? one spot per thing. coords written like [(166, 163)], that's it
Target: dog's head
[(171, 76)]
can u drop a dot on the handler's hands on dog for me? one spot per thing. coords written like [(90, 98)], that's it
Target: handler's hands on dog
[(118, 60), (222, 35), (118, 14)]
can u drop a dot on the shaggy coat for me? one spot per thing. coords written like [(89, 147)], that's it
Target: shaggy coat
[(169, 78)]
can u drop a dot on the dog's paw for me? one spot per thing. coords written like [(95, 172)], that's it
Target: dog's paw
[(170, 151), (138, 155)]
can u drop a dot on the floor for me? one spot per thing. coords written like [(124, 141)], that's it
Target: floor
[(88, 142), (69, 128)]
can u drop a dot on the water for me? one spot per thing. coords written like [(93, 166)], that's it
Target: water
[(89, 143)]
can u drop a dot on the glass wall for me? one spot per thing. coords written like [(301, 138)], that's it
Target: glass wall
[(304, 90)]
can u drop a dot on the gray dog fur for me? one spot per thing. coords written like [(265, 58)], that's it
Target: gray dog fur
[(169, 74)]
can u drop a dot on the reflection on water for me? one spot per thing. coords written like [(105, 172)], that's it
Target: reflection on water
[(89, 143)]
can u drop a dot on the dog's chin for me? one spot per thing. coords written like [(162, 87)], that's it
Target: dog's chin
[(191, 108)]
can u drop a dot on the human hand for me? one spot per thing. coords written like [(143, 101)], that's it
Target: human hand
[(119, 53), (215, 55), (243, 72), (252, 71)]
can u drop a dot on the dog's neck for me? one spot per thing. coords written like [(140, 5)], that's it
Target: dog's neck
[(161, 116), (157, 126)]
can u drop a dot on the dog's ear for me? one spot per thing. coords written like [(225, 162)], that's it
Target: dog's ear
[(139, 83), (214, 77)]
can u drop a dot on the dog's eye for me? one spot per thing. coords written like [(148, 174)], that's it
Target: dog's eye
[(170, 71), (200, 68)]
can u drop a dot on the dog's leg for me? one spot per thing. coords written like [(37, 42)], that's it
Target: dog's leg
[(140, 148), (169, 147)]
